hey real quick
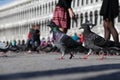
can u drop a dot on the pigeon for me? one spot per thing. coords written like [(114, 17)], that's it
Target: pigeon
[(64, 42), (95, 42)]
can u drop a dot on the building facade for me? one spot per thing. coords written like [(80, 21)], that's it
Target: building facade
[(17, 17)]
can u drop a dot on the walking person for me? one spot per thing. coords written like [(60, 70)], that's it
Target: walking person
[(30, 38), (62, 15), (109, 11)]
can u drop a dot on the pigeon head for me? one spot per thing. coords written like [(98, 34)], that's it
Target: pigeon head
[(87, 26)]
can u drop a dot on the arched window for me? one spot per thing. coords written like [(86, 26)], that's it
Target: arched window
[(40, 10), (46, 8), (45, 22), (81, 16), (82, 3), (91, 16), (55, 2), (32, 12), (43, 9), (42, 24), (52, 6), (78, 2), (49, 7), (86, 17), (74, 3), (87, 2), (35, 11), (91, 1), (96, 17)]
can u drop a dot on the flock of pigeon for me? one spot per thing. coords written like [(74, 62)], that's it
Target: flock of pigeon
[(93, 43)]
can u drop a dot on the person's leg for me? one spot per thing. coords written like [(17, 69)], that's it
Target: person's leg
[(113, 31), (106, 30)]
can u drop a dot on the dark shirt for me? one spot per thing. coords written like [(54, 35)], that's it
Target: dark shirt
[(37, 35), (64, 3)]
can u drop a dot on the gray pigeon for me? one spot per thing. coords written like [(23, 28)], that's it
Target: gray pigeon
[(95, 42), (64, 42)]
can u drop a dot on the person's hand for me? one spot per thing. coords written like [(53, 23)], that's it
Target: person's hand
[(71, 13), (75, 18)]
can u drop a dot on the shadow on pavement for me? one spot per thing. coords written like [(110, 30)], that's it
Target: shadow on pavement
[(74, 70), (111, 76)]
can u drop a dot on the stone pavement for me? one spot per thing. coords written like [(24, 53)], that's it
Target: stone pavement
[(47, 67)]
